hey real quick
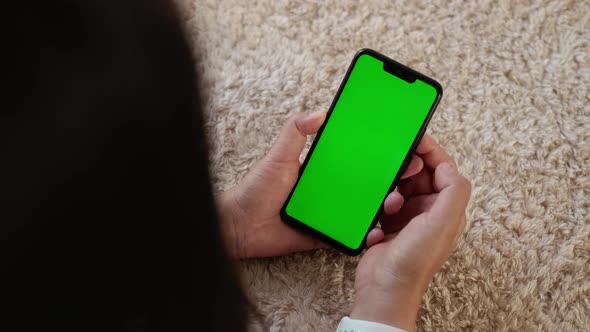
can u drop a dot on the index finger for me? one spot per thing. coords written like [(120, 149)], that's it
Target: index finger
[(433, 154)]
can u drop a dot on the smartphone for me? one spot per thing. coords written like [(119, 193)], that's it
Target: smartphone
[(372, 128)]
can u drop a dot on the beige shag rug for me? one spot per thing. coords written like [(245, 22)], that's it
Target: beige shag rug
[(515, 115)]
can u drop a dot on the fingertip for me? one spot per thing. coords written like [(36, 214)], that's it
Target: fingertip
[(299, 120), (454, 191), (415, 167), (426, 144), (446, 168), (375, 236), (393, 203), (291, 140), (311, 123), (443, 176)]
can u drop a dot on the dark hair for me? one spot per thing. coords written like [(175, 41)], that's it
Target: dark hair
[(108, 219)]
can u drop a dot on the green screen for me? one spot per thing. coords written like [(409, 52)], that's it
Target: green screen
[(363, 145)]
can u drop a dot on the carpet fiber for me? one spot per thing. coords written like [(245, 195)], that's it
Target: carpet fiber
[(515, 115)]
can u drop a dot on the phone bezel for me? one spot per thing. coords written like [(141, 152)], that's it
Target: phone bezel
[(323, 237)]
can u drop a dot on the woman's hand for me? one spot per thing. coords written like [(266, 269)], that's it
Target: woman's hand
[(250, 212), (395, 271)]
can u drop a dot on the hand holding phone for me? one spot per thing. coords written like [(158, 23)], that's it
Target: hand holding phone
[(372, 129), (249, 212), (394, 273)]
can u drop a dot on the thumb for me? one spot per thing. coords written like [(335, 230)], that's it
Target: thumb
[(293, 136), (454, 191)]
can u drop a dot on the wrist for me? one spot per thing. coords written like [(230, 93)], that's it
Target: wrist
[(398, 308), (227, 222)]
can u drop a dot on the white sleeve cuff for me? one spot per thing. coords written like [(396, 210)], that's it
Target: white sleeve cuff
[(355, 325)]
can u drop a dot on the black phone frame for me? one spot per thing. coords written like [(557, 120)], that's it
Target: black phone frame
[(400, 68)]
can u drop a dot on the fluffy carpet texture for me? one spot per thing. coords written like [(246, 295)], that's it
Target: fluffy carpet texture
[(515, 115)]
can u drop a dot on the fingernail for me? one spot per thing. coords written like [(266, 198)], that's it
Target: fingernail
[(447, 169), (314, 115)]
